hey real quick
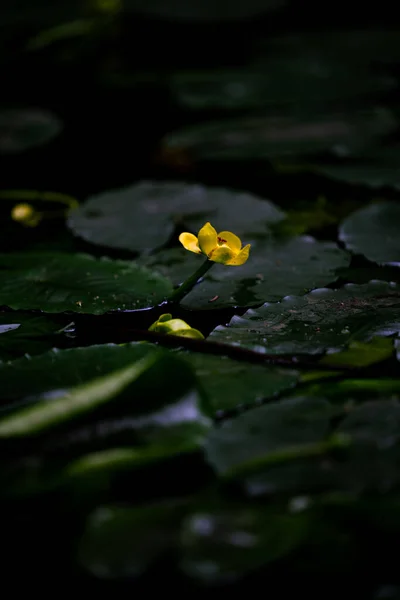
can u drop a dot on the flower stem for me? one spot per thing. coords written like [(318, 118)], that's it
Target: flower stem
[(190, 282)]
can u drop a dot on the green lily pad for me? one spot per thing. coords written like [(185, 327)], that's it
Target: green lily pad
[(371, 174), (58, 282), (229, 383), (323, 320), (301, 73), (261, 434), (68, 406), (143, 216), (27, 334), (361, 354), (374, 232), (274, 269), (222, 544), (26, 128), (151, 405), (122, 542), (58, 370), (376, 422), (271, 138)]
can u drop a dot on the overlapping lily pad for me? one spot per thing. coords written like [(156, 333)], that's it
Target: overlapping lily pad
[(230, 384), (27, 334), (58, 282), (324, 319), (143, 217), (266, 430), (374, 232), (268, 137), (26, 128)]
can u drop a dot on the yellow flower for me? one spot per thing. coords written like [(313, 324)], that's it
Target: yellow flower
[(225, 247), (166, 324)]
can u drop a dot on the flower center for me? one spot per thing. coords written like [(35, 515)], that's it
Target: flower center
[(221, 241)]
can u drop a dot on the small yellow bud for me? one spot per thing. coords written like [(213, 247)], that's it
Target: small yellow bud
[(26, 215), (166, 324)]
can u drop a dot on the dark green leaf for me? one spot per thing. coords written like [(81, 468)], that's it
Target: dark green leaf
[(222, 544), (324, 319), (60, 282), (143, 217), (374, 232), (121, 543), (361, 354), (267, 432), (27, 334), (229, 383), (270, 137), (26, 128)]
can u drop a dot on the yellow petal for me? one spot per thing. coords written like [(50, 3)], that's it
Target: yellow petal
[(222, 254), (190, 242), (240, 258), (231, 240), (207, 238)]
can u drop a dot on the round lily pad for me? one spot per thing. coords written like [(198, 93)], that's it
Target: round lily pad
[(269, 137), (58, 282), (22, 129), (374, 232), (143, 216), (323, 320)]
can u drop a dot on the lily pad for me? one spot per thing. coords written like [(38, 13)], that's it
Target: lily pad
[(222, 544), (322, 320), (122, 542), (266, 430), (143, 217), (272, 138), (58, 282), (22, 129), (58, 370), (301, 73), (229, 383), (27, 334), (274, 269), (374, 232)]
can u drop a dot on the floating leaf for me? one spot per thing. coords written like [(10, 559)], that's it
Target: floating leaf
[(276, 137), (361, 354), (260, 434), (301, 73), (84, 398), (26, 128), (221, 544), (65, 369), (230, 383), (143, 217), (27, 334), (122, 542), (60, 282), (324, 319), (374, 232)]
